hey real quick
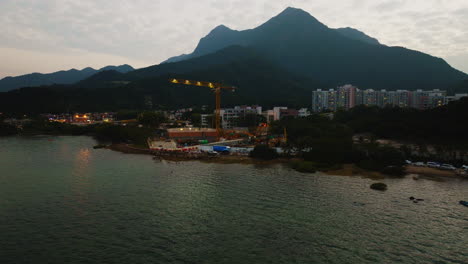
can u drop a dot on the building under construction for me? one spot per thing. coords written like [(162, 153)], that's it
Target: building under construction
[(192, 134)]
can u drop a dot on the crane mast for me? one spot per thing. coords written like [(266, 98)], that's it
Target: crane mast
[(216, 88)]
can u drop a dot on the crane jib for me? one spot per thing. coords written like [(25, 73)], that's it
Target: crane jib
[(211, 85)]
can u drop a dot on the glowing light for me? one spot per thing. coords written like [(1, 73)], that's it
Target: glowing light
[(174, 81)]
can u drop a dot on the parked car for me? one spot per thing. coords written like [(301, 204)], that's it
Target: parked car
[(420, 164), (431, 164), (465, 167), (409, 162), (212, 153), (447, 167)]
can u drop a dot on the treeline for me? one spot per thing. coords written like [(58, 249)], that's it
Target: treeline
[(326, 144), (134, 133), (446, 125)]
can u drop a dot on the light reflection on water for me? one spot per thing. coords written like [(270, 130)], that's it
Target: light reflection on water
[(63, 202)]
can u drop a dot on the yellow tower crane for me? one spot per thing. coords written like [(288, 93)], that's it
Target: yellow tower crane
[(216, 88)]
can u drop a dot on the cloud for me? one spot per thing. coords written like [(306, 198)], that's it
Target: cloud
[(390, 6), (146, 32)]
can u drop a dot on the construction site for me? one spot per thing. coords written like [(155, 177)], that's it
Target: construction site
[(194, 142)]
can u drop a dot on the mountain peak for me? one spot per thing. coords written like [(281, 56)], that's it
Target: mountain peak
[(294, 16), (221, 28), (294, 11)]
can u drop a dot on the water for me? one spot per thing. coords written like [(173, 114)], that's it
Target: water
[(63, 202)]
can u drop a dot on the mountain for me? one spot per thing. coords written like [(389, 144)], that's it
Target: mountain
[(303, 45), (278, 63), (258, 80), (60, 77), (357, 35)]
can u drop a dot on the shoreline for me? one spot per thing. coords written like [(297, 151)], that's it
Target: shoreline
[(346, 170)]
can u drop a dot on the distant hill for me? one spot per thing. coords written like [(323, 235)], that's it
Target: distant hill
[(301, 44), (60, 77), (261, 82)]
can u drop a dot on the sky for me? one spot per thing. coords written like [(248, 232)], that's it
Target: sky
[(51, 35)]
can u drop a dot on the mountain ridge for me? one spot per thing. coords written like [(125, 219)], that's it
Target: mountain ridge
[(59, 77), (301, 44)]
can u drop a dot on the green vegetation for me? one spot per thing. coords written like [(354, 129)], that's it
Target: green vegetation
[(326, 144), (122, 134), (446, 125), (318, 139), (151, 119), (312, 167), (263, 152), (7, 130), (105, 132), (303, 166), (385, 159)]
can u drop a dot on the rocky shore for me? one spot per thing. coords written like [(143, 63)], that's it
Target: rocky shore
[(346, 170)]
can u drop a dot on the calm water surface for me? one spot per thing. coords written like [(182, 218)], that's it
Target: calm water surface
[(63, 202)]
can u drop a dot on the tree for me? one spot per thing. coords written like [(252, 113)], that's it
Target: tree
[(151, 119), (263, 152)]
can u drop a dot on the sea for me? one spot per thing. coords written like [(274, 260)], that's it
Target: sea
[(61, 201)]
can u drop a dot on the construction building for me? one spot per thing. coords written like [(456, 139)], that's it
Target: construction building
[(192, 134)]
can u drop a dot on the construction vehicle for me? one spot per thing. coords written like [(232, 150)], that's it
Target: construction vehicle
[(216, 88)]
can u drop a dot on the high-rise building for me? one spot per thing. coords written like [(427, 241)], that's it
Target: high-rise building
[(428, 99), (348, 96), (320, 100)]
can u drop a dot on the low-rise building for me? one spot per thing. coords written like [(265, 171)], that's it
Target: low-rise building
[(288, 113), (303, 112)]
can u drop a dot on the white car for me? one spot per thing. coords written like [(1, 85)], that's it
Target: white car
[(409, 162), (465, 167), (431, 164), (447, 167), (420, 164)]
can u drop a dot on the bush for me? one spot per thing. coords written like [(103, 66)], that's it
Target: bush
[(379, 158), (379, 186), (7, 130), (304, 166), (263, 152)]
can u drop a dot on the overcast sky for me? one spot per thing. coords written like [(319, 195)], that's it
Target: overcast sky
[(50, 35)]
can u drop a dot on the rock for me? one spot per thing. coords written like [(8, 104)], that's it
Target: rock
[(419, 200), (411, 198), (380, 186)]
